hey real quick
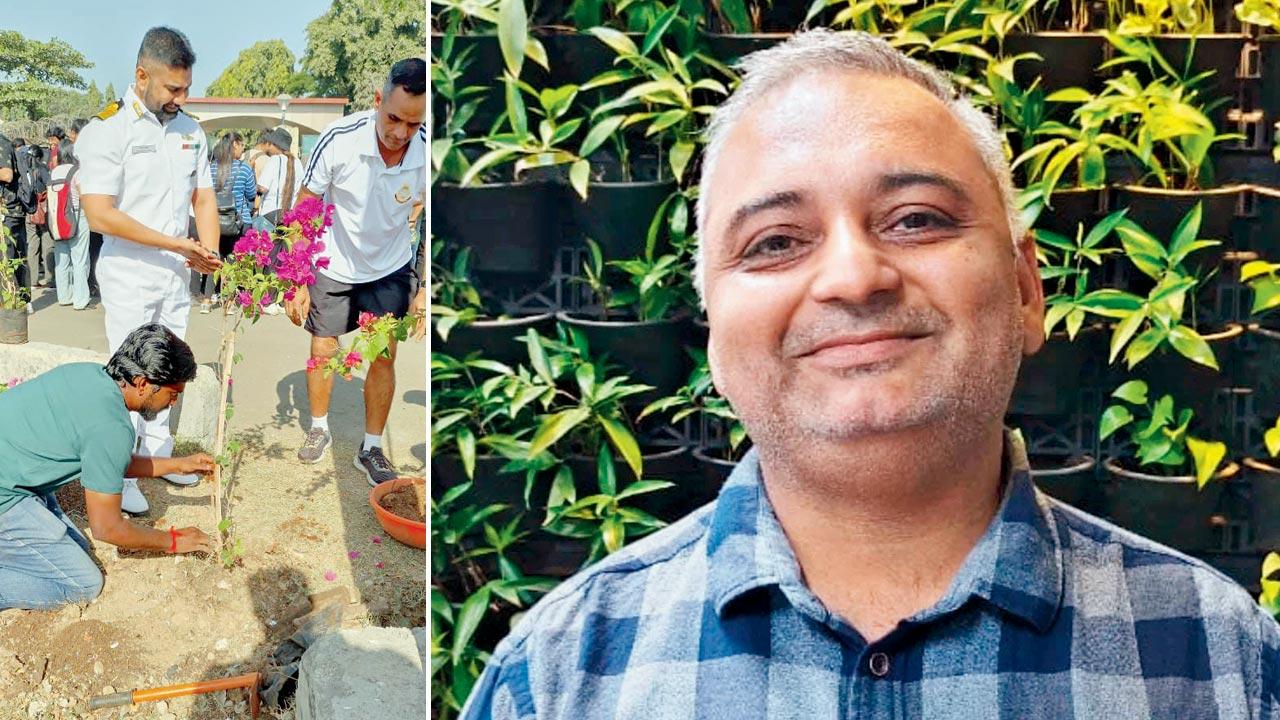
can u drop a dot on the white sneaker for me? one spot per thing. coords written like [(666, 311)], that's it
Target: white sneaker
[(131, 499), (273, 309), (181, 478)]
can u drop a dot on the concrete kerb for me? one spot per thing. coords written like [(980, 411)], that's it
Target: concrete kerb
[(368, 673), (193, 419)]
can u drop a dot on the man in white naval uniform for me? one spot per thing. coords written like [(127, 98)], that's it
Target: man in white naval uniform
[(143, 167)]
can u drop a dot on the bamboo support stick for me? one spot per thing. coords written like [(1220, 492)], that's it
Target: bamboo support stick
[(226, 356)]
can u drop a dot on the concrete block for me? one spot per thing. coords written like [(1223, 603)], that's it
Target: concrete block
[(193, 419), (365, 674)]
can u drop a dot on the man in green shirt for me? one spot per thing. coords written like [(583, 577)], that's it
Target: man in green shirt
[(73, 423)]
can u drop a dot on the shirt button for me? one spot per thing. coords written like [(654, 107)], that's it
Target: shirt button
[(879, 664)]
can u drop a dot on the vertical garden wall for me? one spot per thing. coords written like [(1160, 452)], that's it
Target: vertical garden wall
[(572, 411)]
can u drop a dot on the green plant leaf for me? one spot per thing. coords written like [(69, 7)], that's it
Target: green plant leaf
[(469, 617), (1266, 294), (1192, 346), (1125, 330), (555, 426), (1207, 457), (513, 34), (619, 42), (1070, 95), (467, 450), (1271, 438), (1113, 418), (659, 28), (1187, 230), (614, 533), (563, 491), (598, 134), (1270, 585), (579, 176), (625, 443), (1143, 345), (643, 487), (1133, 391), (538, 355), (679, 156), (606, 474)]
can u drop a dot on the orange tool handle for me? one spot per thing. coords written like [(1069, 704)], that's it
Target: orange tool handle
[(250, 681)]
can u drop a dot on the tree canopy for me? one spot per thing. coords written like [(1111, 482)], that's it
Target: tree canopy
[(35, 72), (351, 48), (263, 70)]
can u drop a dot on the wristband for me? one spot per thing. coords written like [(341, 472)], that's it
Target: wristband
[(173, 540)]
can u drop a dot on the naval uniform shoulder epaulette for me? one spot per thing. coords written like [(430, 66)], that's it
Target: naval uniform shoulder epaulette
[(109, 110)]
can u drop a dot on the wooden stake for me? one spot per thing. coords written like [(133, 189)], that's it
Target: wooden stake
[(226, 355)]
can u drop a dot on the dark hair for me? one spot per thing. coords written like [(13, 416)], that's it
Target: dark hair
[(168, 47), (152, 352), (55, 132), (67, 153), (410, 74), (224, 155), (78, 124)]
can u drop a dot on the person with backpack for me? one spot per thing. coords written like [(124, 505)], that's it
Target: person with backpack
[(15, 215), (279, 178), (39, 244), (235, 188), (69, 230)]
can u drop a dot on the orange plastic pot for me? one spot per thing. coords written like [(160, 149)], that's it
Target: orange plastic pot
[(409, 532)]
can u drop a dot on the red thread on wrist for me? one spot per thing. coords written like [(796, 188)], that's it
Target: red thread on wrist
[(173, 540)]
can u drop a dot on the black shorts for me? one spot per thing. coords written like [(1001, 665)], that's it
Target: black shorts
[(336, 306)]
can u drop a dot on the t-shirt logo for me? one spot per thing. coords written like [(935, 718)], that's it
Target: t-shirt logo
[(404, 193)]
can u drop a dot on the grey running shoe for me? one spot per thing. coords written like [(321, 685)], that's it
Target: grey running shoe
[(375, 466), (314, 446)]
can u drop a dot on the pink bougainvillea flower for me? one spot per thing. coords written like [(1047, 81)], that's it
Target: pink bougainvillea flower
[(313, 363), (330, 575), (378, 564), (244, 298), (366, 319), (375, 540), (290, 294), (353, 554), (352, 360)]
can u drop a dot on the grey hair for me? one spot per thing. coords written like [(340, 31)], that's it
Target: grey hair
[(824, 49)]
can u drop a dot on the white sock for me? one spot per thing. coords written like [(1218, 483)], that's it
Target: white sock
[(372, 441), (321, 422)]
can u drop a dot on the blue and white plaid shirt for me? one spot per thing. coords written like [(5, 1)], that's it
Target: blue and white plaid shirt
[(1054, 614)]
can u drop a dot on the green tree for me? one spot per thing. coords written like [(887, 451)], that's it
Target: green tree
[(109, 95), (350, 48), (34, 72), (263, 70), (94, 100)]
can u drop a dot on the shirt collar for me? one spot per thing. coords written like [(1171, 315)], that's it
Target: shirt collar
[(1016, 564), (133, 105), (414, 156)]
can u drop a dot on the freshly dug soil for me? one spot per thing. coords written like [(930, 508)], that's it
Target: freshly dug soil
[(403, 502)]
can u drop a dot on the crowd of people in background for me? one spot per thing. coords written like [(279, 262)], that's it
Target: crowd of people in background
[(255, 185)]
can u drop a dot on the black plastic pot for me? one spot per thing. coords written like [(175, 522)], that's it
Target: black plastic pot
[(1070, 207), (1269, 96), (501, 340), (13, 326), (576, 58), (1264, 479), (1070, 59), (1074, 481), (511, 228), (1266, 235), (715, 470), (490, 484), (1159, 211), (1191, 384), (1258, 367), (1050, 382), (650, 352), (1219, 53), (1170, 510), (616, 215)]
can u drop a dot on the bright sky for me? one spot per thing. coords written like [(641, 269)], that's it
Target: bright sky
[(108, 33)]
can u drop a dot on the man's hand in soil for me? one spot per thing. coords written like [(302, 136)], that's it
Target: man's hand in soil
[(143, 466), (298, 308), (192, 539), (107, 525)]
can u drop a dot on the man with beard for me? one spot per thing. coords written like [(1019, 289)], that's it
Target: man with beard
[(143, 167), (881, 552), (71, 423)]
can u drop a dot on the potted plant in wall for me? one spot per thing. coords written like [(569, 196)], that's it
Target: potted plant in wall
[(642, 320), (1259, 369), (1043, 388), (13, 298), (1161, 479), (461, 320), (513, 221)]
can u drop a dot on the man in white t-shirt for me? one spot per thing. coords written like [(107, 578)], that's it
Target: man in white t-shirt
[(279, 188), (372, 167)]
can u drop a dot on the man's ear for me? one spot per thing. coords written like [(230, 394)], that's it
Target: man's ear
[(377, 99), (1030, 293)]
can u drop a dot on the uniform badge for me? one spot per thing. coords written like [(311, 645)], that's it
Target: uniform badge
[(404, 193)]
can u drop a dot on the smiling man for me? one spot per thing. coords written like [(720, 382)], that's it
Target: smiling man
[(881, 552)]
